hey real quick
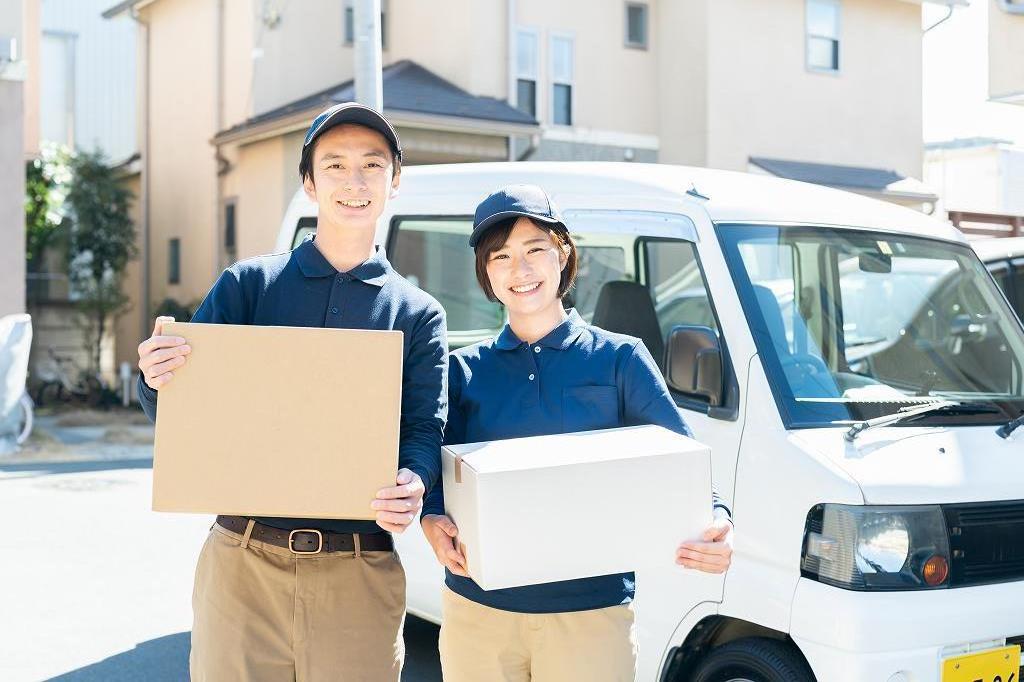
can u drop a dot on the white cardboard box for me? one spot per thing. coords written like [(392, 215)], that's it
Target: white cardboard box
[(548, 508)]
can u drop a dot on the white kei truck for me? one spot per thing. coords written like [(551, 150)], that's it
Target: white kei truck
[(857, 373)]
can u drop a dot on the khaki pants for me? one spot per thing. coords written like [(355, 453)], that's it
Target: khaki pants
[(262, 613), (481, 644)]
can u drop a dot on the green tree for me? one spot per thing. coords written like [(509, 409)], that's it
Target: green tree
[(47, 180), (101, 242)]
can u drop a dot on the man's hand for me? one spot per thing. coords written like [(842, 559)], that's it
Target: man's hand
[(713, 553), (442, 534), (159, 355), (398, 505)]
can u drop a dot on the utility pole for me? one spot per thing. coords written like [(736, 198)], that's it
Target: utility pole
[(368, 80)]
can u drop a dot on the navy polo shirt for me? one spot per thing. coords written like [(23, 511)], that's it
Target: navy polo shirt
[(302, 289), (577, 378)]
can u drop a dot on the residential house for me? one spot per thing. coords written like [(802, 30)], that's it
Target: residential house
[(1006, 50), (823, 90)]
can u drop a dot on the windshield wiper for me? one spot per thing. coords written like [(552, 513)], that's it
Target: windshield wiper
[(1009, 427), (905, 413)]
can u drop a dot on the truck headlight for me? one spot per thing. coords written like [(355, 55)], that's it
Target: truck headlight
[(876, 548)]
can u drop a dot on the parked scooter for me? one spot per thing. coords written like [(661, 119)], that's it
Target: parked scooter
[(16, 407)]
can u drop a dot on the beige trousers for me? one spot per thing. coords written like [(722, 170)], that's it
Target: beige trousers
[(481, 644), (264, 614)]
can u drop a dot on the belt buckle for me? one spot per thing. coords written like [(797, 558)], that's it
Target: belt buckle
[(319, 544)]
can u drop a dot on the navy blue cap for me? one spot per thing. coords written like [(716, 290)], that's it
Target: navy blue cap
[(513, 201), (353, 112)]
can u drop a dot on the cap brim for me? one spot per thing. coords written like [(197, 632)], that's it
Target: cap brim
[(491, 220), (359, 115)]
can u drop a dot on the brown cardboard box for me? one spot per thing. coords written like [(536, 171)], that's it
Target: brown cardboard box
[(279, 421)]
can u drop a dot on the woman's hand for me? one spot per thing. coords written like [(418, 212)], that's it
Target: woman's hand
[(713, 553), (442, 534)]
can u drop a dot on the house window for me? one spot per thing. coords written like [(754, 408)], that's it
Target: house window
[(350, 23), (174, 261), (230, 237), (561, 80), (526, 71), (823, 35), (636, 25)]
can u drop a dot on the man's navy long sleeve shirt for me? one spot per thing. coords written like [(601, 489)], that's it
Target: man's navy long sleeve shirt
[(302, 289)]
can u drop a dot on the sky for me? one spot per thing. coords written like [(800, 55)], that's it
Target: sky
[(956, 79)]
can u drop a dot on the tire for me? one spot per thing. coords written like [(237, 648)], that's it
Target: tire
[(757, 659)]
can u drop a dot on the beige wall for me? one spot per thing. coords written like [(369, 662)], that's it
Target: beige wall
[(1006, 53), (615, 87), (682, 32), (127, 333), (30, 53), (238, 36), (183, 181), (763, 101)]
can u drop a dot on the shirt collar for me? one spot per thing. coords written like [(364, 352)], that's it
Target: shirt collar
[(559, 338), (374, 270)]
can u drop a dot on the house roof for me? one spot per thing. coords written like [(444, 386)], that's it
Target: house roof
[(967, 143), (408, 87), (856, 178)]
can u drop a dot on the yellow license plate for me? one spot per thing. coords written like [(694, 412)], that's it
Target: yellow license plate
[(997, 665)]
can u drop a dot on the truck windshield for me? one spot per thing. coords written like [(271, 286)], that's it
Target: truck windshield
[(852, 325)]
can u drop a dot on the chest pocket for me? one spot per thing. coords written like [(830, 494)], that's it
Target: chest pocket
[(586, 408)]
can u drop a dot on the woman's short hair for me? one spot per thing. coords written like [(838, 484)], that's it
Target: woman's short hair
[(495, 238)]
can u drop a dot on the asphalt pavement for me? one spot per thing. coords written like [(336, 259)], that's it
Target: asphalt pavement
[(95, 587)]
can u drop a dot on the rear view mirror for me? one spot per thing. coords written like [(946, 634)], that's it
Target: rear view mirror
[(693, 363), (877, 262)]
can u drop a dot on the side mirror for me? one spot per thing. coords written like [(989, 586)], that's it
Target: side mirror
[(693, 363)]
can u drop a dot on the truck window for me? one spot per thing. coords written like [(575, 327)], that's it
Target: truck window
[(304, 228), (432, 253), (1018, 287)]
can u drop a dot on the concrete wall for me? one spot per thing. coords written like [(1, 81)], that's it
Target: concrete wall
[(1005, 53), (12, 170), (12, 199)]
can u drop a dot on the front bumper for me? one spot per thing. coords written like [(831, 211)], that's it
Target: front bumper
[(851, 636)]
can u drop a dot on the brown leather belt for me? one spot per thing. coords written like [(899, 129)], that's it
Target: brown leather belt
[(308, 540)]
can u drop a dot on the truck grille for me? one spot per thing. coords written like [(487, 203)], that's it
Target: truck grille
[(986, 541)]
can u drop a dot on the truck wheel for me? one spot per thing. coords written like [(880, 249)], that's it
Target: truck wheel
[(754, 660)]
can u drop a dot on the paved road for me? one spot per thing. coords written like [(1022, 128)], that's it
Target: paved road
[(95, 587)]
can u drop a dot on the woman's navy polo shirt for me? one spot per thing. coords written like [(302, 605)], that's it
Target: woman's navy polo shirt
[(577, 378)]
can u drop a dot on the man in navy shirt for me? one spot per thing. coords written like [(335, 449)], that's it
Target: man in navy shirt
[(302, 599)]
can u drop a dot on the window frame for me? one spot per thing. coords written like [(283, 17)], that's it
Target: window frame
[(230, 204), (808, 35), (174, 260), (535, 76), (553, 81), (645, 43), (729, 410), (457, 338)]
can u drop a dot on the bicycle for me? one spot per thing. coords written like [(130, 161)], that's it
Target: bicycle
[(56, 382)]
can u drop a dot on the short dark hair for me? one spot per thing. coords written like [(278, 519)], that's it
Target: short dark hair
[(495, 237), (306, 157)]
